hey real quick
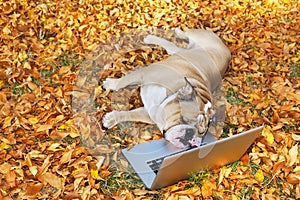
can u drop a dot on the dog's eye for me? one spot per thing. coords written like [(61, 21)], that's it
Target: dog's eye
[(190, 132)]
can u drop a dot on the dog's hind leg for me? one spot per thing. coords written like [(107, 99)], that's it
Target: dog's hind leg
[(113, 118), (170, 47)]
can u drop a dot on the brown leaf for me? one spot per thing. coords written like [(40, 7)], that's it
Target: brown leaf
[(293, 179), (44, 127), (66, 157), (33, 188), (10, 179), (52, 180)]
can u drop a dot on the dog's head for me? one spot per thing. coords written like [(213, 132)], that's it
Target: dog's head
[(183, 136), (194, 118)]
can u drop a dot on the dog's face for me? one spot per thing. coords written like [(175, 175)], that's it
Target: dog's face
[(193, 123), (183, 136)]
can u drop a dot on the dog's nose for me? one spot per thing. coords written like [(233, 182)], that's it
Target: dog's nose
[(189, 133)]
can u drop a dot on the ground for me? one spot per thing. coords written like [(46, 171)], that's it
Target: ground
[(54, 56)]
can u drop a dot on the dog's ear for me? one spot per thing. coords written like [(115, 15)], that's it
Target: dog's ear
[(186, 93)]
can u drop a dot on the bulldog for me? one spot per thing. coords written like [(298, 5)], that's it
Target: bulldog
[(176, 92)]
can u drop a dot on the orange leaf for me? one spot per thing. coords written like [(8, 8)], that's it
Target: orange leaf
[(4, 168), (44, 127), (66, 157), (33, 189), (207, 188), (52, 180), (10, 179)]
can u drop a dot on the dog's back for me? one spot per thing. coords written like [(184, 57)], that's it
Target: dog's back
[(211, 44)]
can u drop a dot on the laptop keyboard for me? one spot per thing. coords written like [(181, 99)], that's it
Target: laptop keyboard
[(155, 164)]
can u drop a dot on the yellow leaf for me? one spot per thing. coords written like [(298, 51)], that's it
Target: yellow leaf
[(33, 120), (293, 154), (292, 45), (174, 188), (27, 65), (97, 91), (268, 134), (6, 30), (4, 146), (259, 175), (92, 47), (7, 121), (234, 197), (295, 59), (253, 96), (63, 127), (1, 83), (94, 173), (69, 122)]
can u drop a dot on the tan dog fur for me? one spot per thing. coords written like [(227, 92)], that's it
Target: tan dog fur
[(176, 92)]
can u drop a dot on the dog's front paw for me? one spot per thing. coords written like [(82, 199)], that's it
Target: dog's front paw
[(109, 120), (110, 84)]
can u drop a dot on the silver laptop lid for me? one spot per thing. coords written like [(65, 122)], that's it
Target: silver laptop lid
[(221, 152), (174, 166), (140, 154)]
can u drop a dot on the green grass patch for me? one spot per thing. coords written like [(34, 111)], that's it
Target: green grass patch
[(47, 73), (120, 180), (17, 89), (232, 97), (294, 71), (246, 192), (196, 178), (67, 59)]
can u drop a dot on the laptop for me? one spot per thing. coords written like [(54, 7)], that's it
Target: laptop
[(159, 163)]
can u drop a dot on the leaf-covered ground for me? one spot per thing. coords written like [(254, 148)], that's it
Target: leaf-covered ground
[(52, 145)]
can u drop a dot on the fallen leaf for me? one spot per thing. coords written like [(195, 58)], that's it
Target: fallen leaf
[(33, 120), (52, 179), (10, 179), (5, 168), (267, 133), (259, 175), (66, 157), (44, 127), (34, 170), (296, 137), (207, 188), (33, 188), (293, 155), (94, 173)]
